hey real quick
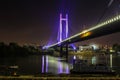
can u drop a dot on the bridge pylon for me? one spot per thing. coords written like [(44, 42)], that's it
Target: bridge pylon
[(63, 28), (63, 34)]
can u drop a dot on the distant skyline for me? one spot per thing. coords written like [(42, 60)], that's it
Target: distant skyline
[(37, 21)]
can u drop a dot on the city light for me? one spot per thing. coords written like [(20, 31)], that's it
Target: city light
[(85, 34), (95, 46), (74, 57)]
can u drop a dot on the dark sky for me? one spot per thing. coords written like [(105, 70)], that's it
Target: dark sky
[(37, 21)]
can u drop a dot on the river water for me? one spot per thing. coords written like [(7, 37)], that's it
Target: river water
[(37, 64)]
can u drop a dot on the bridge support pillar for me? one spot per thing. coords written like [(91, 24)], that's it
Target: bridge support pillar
[(66, 52), (61, 50)]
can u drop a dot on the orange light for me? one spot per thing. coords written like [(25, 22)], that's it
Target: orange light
[(85, 34)]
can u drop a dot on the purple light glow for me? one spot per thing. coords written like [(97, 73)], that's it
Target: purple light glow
[(73, 46), (46, 63), (60, 67), (58, 36), (42, 64), (60, 28), (61, 34), (66, 25), (67, 69)]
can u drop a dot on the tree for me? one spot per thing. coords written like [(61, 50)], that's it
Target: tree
[(3, 49), (116, 47)]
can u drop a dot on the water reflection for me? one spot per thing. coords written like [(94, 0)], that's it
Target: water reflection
[(54, 65), (110, 60), (36, 64)]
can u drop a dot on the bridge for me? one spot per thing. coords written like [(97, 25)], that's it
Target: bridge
[(108, 27)]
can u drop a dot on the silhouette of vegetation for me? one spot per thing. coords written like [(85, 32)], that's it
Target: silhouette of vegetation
[(116, 47), (14, 50)]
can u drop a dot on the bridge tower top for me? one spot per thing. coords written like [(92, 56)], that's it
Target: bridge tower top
[(63, 28)]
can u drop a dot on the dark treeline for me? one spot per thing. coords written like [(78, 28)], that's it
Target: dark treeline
[(14, 50), (116, 47)]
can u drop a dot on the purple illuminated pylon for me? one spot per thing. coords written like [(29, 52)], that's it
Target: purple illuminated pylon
[(63, 32)]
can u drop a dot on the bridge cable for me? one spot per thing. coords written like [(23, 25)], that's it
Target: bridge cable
[(105, 10)]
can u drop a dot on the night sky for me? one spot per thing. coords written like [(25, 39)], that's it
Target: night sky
[(37, 21)]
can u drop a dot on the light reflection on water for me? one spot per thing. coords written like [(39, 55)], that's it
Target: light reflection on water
[(55, 65), (35, 65)]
